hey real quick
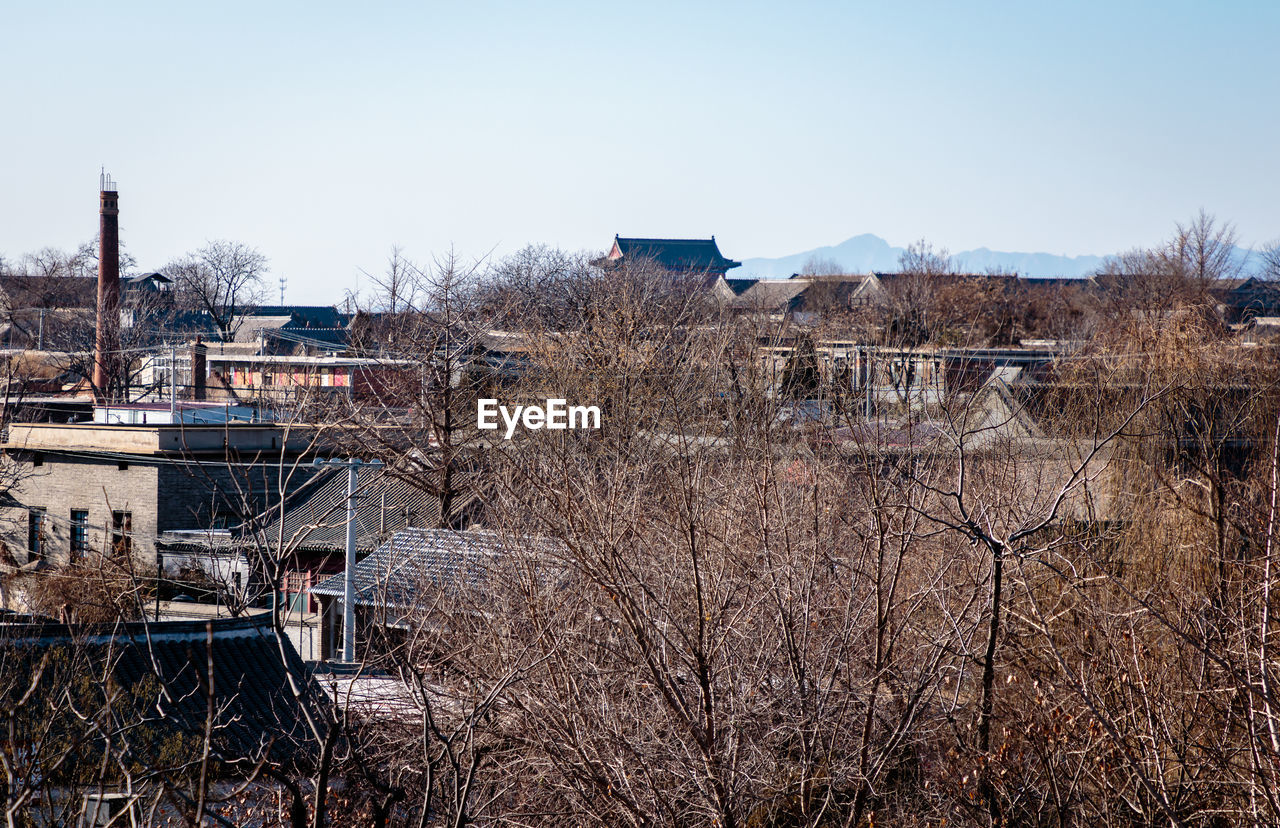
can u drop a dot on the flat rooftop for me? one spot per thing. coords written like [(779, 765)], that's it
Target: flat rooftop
[(217, 438)]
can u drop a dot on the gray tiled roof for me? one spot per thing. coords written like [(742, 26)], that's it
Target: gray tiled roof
[(442, 558), (303, 316), (315, 515), (315, 518), (247, 328), (254, 672), (773, 294), (146, 282)]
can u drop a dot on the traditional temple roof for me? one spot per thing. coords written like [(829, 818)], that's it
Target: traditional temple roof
[(682, 255)]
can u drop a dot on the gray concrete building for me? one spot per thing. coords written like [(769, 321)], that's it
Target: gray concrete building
[(76, 488)]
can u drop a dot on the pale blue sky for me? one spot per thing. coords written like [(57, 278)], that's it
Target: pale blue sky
[(324, 133)]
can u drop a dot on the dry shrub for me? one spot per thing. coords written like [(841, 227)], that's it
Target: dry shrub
[(97, 588)]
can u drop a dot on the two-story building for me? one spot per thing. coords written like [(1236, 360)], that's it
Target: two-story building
[(84, 487)]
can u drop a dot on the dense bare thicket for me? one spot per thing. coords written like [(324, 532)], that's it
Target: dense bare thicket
[(1171, 601), (1049, 605), (735, 622), (754, 597)]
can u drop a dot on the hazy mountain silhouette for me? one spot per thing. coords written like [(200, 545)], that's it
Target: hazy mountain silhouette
[(868, 253)]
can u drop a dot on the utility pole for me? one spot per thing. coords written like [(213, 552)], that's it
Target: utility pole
[(173, 383), (40, 338), (870, 382), (352, 465)]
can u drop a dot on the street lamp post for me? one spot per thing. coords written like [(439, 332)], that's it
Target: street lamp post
[(352, 465)]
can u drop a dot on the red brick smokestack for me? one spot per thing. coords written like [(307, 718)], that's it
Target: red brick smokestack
[(199, 370), (107, 343)]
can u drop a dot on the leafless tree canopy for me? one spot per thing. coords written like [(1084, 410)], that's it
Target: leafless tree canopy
[(223, 279), (1270, 258)]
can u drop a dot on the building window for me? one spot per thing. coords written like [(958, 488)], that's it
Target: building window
[(297, 592), (225, 516), (122, 533), (36, 525), (79, 533)]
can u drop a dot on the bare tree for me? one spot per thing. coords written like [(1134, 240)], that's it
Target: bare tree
[(427, 369), (1204, 249), (1179, 273), (819, 266), (537, 289), (223, 279), (1044, 603), (1269, 257), (910, 307)]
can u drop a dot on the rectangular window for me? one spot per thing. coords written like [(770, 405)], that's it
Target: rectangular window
[(79, 533), (36, 532), (297, 591), (224, 515), (122, 533)]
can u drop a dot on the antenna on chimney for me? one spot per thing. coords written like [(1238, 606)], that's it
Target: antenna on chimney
[(105, 184)]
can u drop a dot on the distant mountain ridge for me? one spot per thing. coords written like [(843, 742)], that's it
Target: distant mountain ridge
[(869, 253)]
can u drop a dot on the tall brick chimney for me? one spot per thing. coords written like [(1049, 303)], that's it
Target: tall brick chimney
[(199, 370), (107, 342)]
